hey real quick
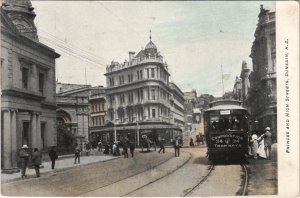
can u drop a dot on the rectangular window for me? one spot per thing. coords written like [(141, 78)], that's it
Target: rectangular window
[(103, 108), (153, 94), (153, 113), (147, 73), (43, 132), (24, 78), (141, 74), (41, 83), (152, 72), (138, 75)]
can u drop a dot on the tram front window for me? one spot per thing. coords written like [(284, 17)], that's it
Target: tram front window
[(227, 123)]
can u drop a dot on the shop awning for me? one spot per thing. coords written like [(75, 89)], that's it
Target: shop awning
[(133, 127)]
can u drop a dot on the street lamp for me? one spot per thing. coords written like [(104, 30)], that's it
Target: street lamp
[(115, 130)]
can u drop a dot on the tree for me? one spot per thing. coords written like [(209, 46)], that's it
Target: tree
[(65, 139)]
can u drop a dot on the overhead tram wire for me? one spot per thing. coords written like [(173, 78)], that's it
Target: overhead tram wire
[(71, 50), (61, 46), (72, 46), (124, 22), (74, 54), (74, 50)]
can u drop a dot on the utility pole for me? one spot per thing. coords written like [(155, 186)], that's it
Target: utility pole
[(85, 76), (222, 79), (115, 127)]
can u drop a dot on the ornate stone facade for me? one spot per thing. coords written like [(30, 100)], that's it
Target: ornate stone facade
[(177, 106), (28, 109), (262, 97), (138, 98), (98, 113), (73, 109)]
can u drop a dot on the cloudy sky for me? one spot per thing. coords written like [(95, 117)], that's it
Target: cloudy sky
[(195, 38)]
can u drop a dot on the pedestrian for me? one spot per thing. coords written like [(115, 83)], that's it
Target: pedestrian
[(268, 142), (162, 146), (77, 154), (132, 147), (125, 149), (106, 149), (114, 149), (100, 146), (192, 142), (254, 142), (177, 147), (53, 156), (24, 155), (87, 149), (37, 161)]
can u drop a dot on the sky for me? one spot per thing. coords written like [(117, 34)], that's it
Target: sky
[(195, 38)]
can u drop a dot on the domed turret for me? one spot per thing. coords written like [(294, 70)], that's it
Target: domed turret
[(150, 47)]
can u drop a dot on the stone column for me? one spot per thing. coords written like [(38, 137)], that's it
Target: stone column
[(33, 130), (38, 132), (6, 141), (14, 143)]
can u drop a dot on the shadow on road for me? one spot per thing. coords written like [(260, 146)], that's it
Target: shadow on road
[(201, 160)]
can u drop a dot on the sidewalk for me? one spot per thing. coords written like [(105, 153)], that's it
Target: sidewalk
[(263, 176), (63, 163)]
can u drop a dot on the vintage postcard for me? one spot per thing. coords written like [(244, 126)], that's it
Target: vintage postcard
[(149, 98)]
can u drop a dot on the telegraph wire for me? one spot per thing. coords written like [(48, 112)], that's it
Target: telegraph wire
[(72, 46), (73, 52), (68, 52)]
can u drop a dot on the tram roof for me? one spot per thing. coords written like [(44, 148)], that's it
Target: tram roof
[(226, 107)]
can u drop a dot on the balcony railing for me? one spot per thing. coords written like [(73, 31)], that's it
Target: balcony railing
[(135, 61)]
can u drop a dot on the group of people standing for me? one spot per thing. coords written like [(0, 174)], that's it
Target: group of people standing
[(260, 146), (36, 158), (114, 148)]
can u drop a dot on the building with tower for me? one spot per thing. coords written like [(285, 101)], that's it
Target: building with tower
[(138, 98), (28, 108)]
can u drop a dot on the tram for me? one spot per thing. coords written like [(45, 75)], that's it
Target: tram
[(226, 130)]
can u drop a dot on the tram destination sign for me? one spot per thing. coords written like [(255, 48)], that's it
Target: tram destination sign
[(225, 112), (227, 141)]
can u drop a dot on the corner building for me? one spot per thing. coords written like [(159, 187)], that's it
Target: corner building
[(138, 97), (262, 96), (28, 108)]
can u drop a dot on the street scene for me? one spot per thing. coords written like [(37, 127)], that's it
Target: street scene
[(138, 99)]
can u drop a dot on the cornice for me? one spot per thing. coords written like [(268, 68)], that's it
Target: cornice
[(23, 94)]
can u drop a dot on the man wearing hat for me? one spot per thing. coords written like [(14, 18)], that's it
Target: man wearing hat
[(24, 155), (268, 142)]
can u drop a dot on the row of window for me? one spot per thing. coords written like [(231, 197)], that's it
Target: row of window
[(153, 93), (98, 107), (151, 73), (152, 113), (98, 121)]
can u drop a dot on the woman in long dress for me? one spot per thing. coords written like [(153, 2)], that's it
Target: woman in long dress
[(261, 147)]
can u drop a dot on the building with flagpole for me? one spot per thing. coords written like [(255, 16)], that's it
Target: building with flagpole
[(138, 95)]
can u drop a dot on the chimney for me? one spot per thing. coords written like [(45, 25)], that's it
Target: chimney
[(131, 55)]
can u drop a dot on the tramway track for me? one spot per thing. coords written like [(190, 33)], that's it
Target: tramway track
[(82, 193), (211, 168), (245, 182)]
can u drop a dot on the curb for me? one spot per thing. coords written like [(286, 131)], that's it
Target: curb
[(56, 170)]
